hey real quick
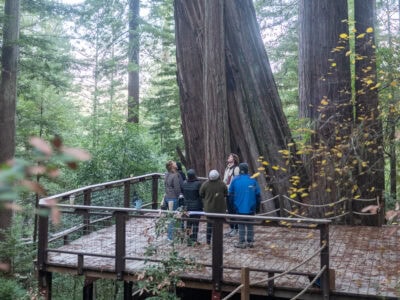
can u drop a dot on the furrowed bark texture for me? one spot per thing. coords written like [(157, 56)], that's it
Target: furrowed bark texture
[(257, 125)]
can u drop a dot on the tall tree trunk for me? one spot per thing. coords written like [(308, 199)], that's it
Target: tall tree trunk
[(325, 95), (257, 125), (215, 103), (8, 93), (189, 16), (370, 173), (133, 67)]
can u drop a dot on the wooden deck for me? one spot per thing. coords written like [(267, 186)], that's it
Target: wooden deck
[(366, 260)]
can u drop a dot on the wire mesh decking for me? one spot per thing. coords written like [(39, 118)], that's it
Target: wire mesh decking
[(109, 242)]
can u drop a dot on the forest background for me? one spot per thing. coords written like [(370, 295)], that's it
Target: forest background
[(75, 67)]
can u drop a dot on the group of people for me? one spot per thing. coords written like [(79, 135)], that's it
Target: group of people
[(235, 193)]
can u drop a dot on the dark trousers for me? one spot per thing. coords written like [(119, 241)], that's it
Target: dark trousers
[(209, 232)]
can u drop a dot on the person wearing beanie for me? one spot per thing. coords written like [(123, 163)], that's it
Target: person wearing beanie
[(192, 203), (231, 171), (213, 192), (244, 195)]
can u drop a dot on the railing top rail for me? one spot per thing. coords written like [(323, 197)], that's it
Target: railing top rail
[(159, 211), (100, 185)]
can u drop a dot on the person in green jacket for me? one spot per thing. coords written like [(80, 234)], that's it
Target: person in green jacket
[(213, 193)]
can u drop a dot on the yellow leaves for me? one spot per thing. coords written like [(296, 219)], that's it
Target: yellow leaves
[(294, 195), (360, 36), (344, 36), (333, 65), (276, 168), (324, 102), (260, 169), (369, 30), (310, 235), (304, 195), (255, 175), (376, 86), (348, 53), (393, 84), (284, 152), (265, 163)]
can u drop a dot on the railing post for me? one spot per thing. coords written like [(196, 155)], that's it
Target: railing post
[(44, 277), (127, 192), (120, 243), (154, 190), (324, 240), (245, 294), (270, 286), (217, 256), (350, 208), (87, 200), (281, 206)]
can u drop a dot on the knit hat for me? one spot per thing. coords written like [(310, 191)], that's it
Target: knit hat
[(191, 174), (243, 168), (213, 175)]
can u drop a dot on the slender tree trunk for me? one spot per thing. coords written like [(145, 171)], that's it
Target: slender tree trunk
[(370, 171), (133, 56), (8, 93), (325, 95)]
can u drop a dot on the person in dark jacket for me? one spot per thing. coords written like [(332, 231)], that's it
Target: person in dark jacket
[(180, 171), (244, 194), (192, 203), (213, 192)]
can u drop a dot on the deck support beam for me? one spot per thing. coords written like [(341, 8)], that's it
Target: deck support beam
[(217, 257), (45, 279), (128, 289), (88, 288)]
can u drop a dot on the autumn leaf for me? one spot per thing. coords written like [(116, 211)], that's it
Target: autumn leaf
[(41, 145), (76, 153), (369, 30), (344, 36), (255, 175)]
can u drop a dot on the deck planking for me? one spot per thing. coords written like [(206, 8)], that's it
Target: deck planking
[(366, 260)]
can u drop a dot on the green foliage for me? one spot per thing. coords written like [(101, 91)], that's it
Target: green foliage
[(11, 290), (120, 153)]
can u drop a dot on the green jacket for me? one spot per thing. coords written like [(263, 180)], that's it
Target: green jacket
[(214, 195)]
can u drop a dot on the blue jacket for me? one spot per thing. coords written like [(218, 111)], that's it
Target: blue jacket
[(244, 194)]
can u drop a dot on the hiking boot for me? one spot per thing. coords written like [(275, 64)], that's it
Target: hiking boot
[(240, 245), (228, 234), (250, 245)]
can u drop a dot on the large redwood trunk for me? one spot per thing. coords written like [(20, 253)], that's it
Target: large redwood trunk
[(257, 125)]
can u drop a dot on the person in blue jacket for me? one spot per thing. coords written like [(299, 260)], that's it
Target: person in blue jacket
[(244, 195)]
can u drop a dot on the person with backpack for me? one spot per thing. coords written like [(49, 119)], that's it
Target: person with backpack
[(231, 170)]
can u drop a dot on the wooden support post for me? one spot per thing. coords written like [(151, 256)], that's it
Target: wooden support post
[(120, 243), (127, 192), (324, 240), (281, 206), (128, 290), (44, 280), (44, 277), (350, 208), (270, 286), (154, 192), (88, 288), (217, 255), (245, 291)]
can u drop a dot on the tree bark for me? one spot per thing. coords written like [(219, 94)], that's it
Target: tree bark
[(370, 172), (216, 137), (325, 95), (257, 124), (133, 67), (8, 92), (189, 32)]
